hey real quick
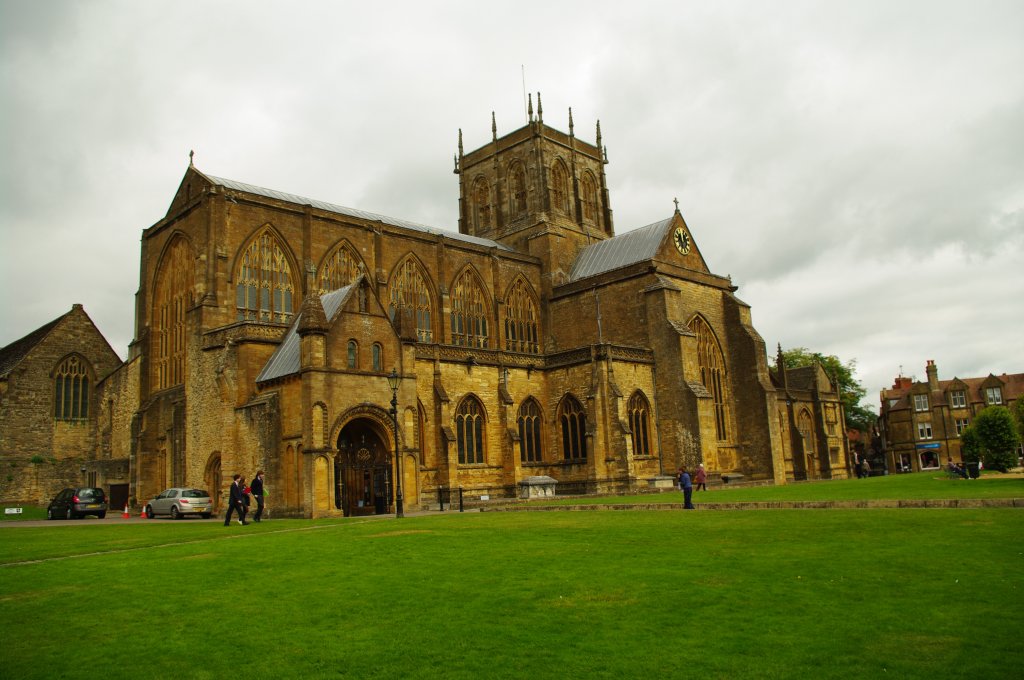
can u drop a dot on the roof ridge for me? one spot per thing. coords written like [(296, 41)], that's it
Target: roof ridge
[(352, 212), (12, 354)]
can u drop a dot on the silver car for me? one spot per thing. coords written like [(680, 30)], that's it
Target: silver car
[(181, 502)]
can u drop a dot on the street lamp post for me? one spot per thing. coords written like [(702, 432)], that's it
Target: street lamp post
[(393, 381)]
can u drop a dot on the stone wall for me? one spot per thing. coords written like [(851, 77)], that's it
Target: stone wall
[(40, 455)]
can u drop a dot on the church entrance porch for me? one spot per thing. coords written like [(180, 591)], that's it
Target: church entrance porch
[(363, 470)]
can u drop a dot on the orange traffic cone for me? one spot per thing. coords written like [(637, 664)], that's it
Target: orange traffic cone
[(125, 515), (143, 515)]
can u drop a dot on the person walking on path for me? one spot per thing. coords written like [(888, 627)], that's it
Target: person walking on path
[(700, 478), (865, 468), (236, 501), (686, 486), (257, 492)]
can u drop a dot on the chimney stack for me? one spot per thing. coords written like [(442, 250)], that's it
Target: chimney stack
[(933, 375)]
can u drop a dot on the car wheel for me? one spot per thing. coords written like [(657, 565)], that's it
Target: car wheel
[(174, 512), (149, 512), (101, 515), (68, 514)]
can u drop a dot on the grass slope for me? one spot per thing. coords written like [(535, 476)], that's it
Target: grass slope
[(773, 594)]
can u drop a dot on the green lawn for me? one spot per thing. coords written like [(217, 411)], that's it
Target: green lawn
[(919, 485), (907, 593)]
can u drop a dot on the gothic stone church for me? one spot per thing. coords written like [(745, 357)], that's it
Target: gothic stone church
[(534, 342)]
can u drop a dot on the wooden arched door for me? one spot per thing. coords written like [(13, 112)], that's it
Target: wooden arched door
[(363, 470)]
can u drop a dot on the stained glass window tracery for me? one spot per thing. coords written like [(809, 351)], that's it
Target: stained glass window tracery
[(264, 288)]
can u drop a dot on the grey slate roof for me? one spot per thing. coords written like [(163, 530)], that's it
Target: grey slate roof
[(352, 212), (285, 359), (12, 354), (621, 251)]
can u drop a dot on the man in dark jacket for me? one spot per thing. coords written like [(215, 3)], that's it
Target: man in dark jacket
[(686, 486), (257, 492), (236, 501)]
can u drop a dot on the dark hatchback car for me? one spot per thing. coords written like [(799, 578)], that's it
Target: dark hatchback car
[(77, 503)]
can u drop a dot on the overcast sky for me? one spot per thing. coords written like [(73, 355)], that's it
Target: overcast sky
[(856, 167)]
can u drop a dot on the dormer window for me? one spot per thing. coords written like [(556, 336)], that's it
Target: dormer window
[(993, 395), (920, 402), (958, 399)]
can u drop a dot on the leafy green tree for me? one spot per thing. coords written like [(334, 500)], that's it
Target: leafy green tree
[(970, 446), (850, 390), (1017, 409), (993, 438)]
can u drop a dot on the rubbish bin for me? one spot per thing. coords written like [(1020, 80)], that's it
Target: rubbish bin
[(972, 470)]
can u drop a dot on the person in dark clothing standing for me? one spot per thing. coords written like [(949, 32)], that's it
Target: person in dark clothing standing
[(686, 486), (236, 502), (257, 492)]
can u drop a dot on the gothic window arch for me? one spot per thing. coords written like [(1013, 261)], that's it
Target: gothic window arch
[(421, 425), (469, 303), (353, 354), (712, 372), (71, 387), (805, 426), (378, 357), (517, 190), (408, 289), (639, 422), (469, 431), (529, 420), (339, 269), (263, 287), (521, 319), (573, 421), (588, 191), (559, 187), (172, 298), (481, 202)]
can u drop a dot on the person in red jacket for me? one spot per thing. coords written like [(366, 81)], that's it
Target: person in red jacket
[(700, 478)]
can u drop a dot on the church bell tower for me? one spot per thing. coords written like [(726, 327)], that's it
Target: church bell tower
[(537, 189)]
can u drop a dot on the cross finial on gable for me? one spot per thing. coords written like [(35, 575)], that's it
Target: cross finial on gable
[(191, 155), (676, 201)]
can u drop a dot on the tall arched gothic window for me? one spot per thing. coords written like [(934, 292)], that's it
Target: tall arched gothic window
[(559, 187), (481, 201), (517, 190), (264, 281), (805, 425), (339, 269), (588, 189), (469, 312), (71, 387), (529, 432), (469, 431), (408, 288), (712, 372), (521, 320), (573, 420), (378, 356), (172, 299), (639, 422), (353, 354)]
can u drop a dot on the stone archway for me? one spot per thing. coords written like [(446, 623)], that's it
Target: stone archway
[(213, 478), (363, 469)]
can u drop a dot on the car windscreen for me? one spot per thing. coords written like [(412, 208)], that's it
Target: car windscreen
[(194, 493), (90, 494)]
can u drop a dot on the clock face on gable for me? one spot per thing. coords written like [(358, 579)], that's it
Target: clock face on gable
[(682, 240)]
